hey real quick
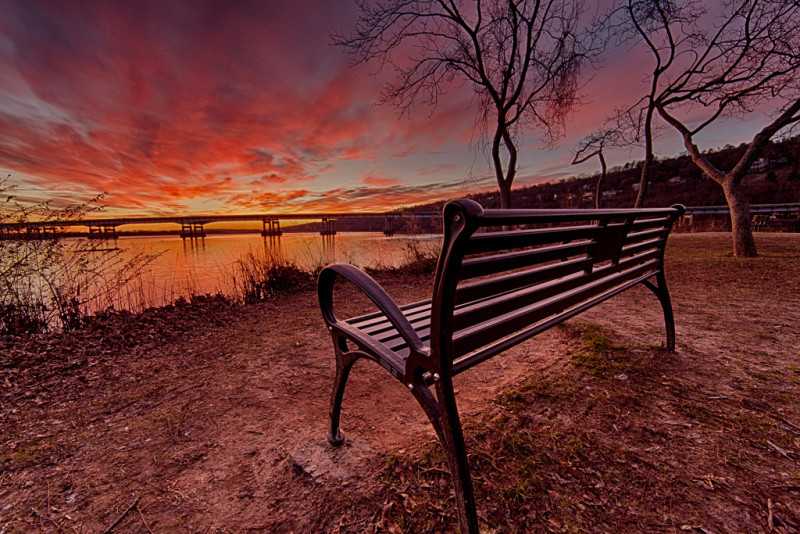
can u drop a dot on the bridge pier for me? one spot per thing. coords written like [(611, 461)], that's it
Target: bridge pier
[(388, 228), (328, 226), (192, 230), (271, 228), (102, 231), (51, 232)]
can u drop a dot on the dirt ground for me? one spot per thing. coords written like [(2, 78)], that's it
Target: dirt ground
[(211, 417)]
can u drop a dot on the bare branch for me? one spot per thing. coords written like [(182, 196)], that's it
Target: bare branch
[(749, 60), (522, 59)]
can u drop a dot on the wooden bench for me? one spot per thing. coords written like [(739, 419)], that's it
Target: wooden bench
[(503, 276)]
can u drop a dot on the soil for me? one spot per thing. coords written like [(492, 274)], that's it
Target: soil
[(211, 417)]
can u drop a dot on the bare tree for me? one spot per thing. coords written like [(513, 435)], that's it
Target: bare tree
[(748, 60), (613, 135), (522, 59), (666, 27)]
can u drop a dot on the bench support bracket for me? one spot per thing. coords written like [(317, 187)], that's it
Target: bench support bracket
[(660, 290)]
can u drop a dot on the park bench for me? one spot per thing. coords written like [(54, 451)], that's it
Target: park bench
[(503, 276)]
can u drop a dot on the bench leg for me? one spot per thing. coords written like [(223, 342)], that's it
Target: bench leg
[(456, 452), (660, 289), (344, 362)]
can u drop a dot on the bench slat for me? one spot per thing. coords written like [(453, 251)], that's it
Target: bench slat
[(475, 336), (643, 224), (638, 248), (376, 315), (506, 217), (374, 328), (497, 241), (516, 280), (488, 265), (398, 345), (648, 234), (391, 333)]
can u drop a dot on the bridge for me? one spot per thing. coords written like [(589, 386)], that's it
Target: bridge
[(755, 209), (193, 226)]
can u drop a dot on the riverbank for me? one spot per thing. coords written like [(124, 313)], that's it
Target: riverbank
[(211, 417)]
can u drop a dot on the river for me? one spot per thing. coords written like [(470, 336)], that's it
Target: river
[(183, 267)]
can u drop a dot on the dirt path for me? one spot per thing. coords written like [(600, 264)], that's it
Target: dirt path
[(195, 418)]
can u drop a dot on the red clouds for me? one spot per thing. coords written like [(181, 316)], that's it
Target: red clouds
[(174, 106), (379, 181), (232, 105)]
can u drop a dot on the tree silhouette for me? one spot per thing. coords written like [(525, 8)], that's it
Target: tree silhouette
[(614, 135), (522, 59), (748, 60), (652, 23)]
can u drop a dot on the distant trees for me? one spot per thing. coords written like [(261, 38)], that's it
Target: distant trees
[(714, 61), (522, 59)]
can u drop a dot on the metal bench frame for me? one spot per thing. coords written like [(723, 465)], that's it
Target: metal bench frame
[(503, 276)]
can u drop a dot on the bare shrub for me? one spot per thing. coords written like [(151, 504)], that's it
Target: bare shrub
[(256, 278), (53, 282)]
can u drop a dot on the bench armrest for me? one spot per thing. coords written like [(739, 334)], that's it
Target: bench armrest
[(371, 289)]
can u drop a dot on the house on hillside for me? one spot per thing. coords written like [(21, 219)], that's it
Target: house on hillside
[(760, 165)]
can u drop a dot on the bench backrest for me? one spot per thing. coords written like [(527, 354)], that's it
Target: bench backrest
[(506, 275)]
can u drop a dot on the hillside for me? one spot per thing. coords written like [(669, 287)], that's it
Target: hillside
[(775, 179), (675, 180)]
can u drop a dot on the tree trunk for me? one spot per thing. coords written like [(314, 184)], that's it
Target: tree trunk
[(644, 181), (502, 138), (505, 196), (744, 245), (600, 180)]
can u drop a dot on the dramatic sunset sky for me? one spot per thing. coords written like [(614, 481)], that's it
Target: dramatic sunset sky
[(207, 106)]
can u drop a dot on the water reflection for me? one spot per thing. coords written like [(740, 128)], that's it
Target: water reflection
[(329, 249), (193, 243), (206, 265)]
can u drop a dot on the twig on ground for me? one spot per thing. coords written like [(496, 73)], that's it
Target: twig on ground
[(794, 428), (121, 517), (770, 515), (782, 452), (789, 487), (143, 521), (40, 516)]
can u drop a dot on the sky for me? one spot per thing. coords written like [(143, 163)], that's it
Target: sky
[(223, 107)]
